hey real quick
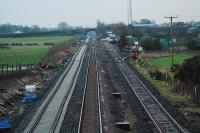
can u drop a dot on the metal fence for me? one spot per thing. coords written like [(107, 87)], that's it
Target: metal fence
[(9, 68)]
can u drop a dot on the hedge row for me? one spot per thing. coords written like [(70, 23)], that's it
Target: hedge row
[(4, 47), (16, 44), (26, 44), (49, 44), (4, 44), (31, 44)]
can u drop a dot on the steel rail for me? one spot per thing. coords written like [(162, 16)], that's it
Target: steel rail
[(98, 95), (84, 93), (117, 58)]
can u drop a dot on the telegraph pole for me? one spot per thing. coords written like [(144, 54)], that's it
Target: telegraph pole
[(128, 12), (130, 20), (171, 23), (131, 12)]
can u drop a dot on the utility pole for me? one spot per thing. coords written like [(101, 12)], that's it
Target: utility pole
[(130, 21), (128, 12), (131, 13), (171, 23), (177, 39)]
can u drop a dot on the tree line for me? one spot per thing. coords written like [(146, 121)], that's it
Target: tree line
[(10, 30), (150, 37)]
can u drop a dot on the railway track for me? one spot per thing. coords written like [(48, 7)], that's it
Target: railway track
[(162, 120), (90, 117), (50, 115)]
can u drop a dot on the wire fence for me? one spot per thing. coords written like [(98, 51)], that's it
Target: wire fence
[(191, 91), (9, 68)]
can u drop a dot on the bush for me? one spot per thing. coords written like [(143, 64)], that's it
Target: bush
[(17, 44), (191, 43), (4, 44), (4, 48), (190, 71), (49, 44), (31, 44), (151, 44)]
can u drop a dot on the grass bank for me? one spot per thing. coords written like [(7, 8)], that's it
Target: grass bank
[(184, 103)]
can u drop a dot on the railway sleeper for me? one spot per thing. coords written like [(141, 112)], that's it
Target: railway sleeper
[(123, 125), (116, 94)]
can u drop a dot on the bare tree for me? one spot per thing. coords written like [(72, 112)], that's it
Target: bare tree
[(63, 26), (122, 31), (101, 28)]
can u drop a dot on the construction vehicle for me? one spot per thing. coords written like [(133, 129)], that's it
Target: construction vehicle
[(136, 51)]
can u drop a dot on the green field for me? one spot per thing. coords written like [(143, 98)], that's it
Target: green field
[(39, 40), (24, 55), (165, 62), (28, 54)]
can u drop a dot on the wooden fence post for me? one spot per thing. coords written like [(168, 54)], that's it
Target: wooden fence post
[(178, 87), (20, 66), (16, 67), (2, 69), (12, 67), (7, 68), (195, 94)]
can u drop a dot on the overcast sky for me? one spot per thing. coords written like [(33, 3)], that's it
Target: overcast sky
[(48, 13)]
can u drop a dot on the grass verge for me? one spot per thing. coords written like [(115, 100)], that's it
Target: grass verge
[(185, 104)]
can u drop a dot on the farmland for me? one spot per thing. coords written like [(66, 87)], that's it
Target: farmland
[(39, 40), (24, 54), (165, 62), (28, 54)]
